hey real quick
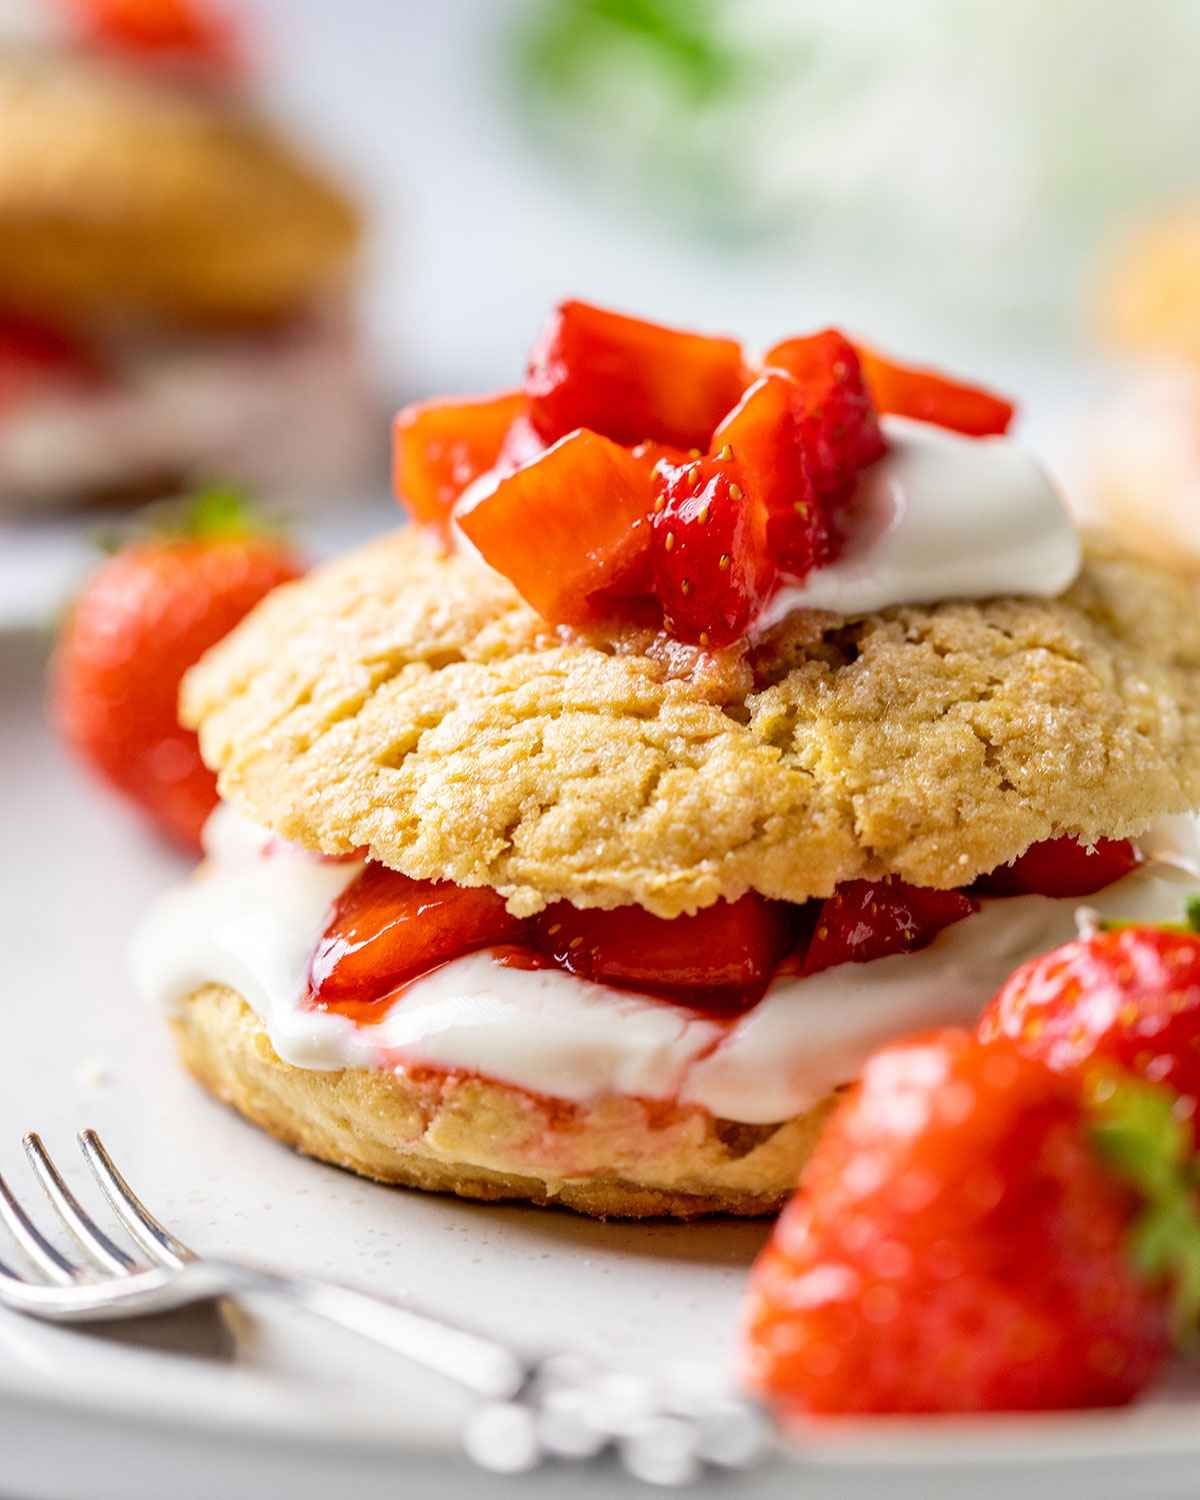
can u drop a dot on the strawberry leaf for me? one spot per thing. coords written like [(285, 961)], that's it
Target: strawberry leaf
[(219, 511), (1190, 923), (1137, 1129)]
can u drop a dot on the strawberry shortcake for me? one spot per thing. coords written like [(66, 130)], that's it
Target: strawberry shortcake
[(176, 279), (721, 717), (1143, 443)]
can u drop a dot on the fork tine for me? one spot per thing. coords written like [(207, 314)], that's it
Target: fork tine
[(154, 1238), (52, 1264), (91, 1238)]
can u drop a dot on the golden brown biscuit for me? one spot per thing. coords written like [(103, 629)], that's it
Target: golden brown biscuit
[(620, 1157), (412, 705), (119, 195)]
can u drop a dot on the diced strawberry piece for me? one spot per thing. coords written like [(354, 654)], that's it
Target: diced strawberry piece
[(522, 443), (712, 564), (629, 379), (439, 447), (864, 920), (150, 30), (569, 528), (763, 432), (1062, 867), (905, 391), (838, 422), (386, 929), (652, 454), (145, 616), (720, 959)]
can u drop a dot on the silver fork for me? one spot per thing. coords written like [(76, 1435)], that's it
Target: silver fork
[(176, 1277), (555, 1407)]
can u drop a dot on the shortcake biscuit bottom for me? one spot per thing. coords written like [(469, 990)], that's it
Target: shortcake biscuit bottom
[(618, 1157)]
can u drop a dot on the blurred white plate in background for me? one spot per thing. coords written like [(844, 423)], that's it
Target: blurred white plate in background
[(43, 561)]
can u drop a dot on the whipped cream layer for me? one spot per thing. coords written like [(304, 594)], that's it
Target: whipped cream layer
[(941, 516), (252, 915)]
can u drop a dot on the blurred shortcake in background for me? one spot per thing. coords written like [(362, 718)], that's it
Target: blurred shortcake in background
[(176, 275), (1145, 458)]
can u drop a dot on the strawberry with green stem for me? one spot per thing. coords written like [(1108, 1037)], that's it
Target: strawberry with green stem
[(976, 1232), (143, 618)]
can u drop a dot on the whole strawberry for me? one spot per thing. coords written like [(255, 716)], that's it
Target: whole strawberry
[(146, 615), (1130, 995), (976, 1233)]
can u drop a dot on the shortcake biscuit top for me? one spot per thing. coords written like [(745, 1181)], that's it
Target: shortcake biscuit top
[(411, 704)]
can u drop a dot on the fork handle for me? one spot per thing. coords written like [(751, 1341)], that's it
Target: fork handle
[(480, 1364)]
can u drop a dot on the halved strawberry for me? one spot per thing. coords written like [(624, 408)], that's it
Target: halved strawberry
[(720, 959), (838, 423), (439, 447), (712, 563), (386, 929), (1062, 867), (629, 379), (865, 920), (569, 528), (906, 391), (763, 434)]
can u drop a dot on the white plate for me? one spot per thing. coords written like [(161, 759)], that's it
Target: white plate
[(196, 1408)]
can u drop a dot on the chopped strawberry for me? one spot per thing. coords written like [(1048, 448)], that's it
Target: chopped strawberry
[(522, 443), (712, 565), (653, 454), (837, 420), (865, 920), (145, 616), (1062, 867), (439, 447), (721, 959), (763, 433), (386, 929), (153, 30), (961, 1242), (570, 528), (37, 356), (1131, 996), (905, 391), (629, 379)]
